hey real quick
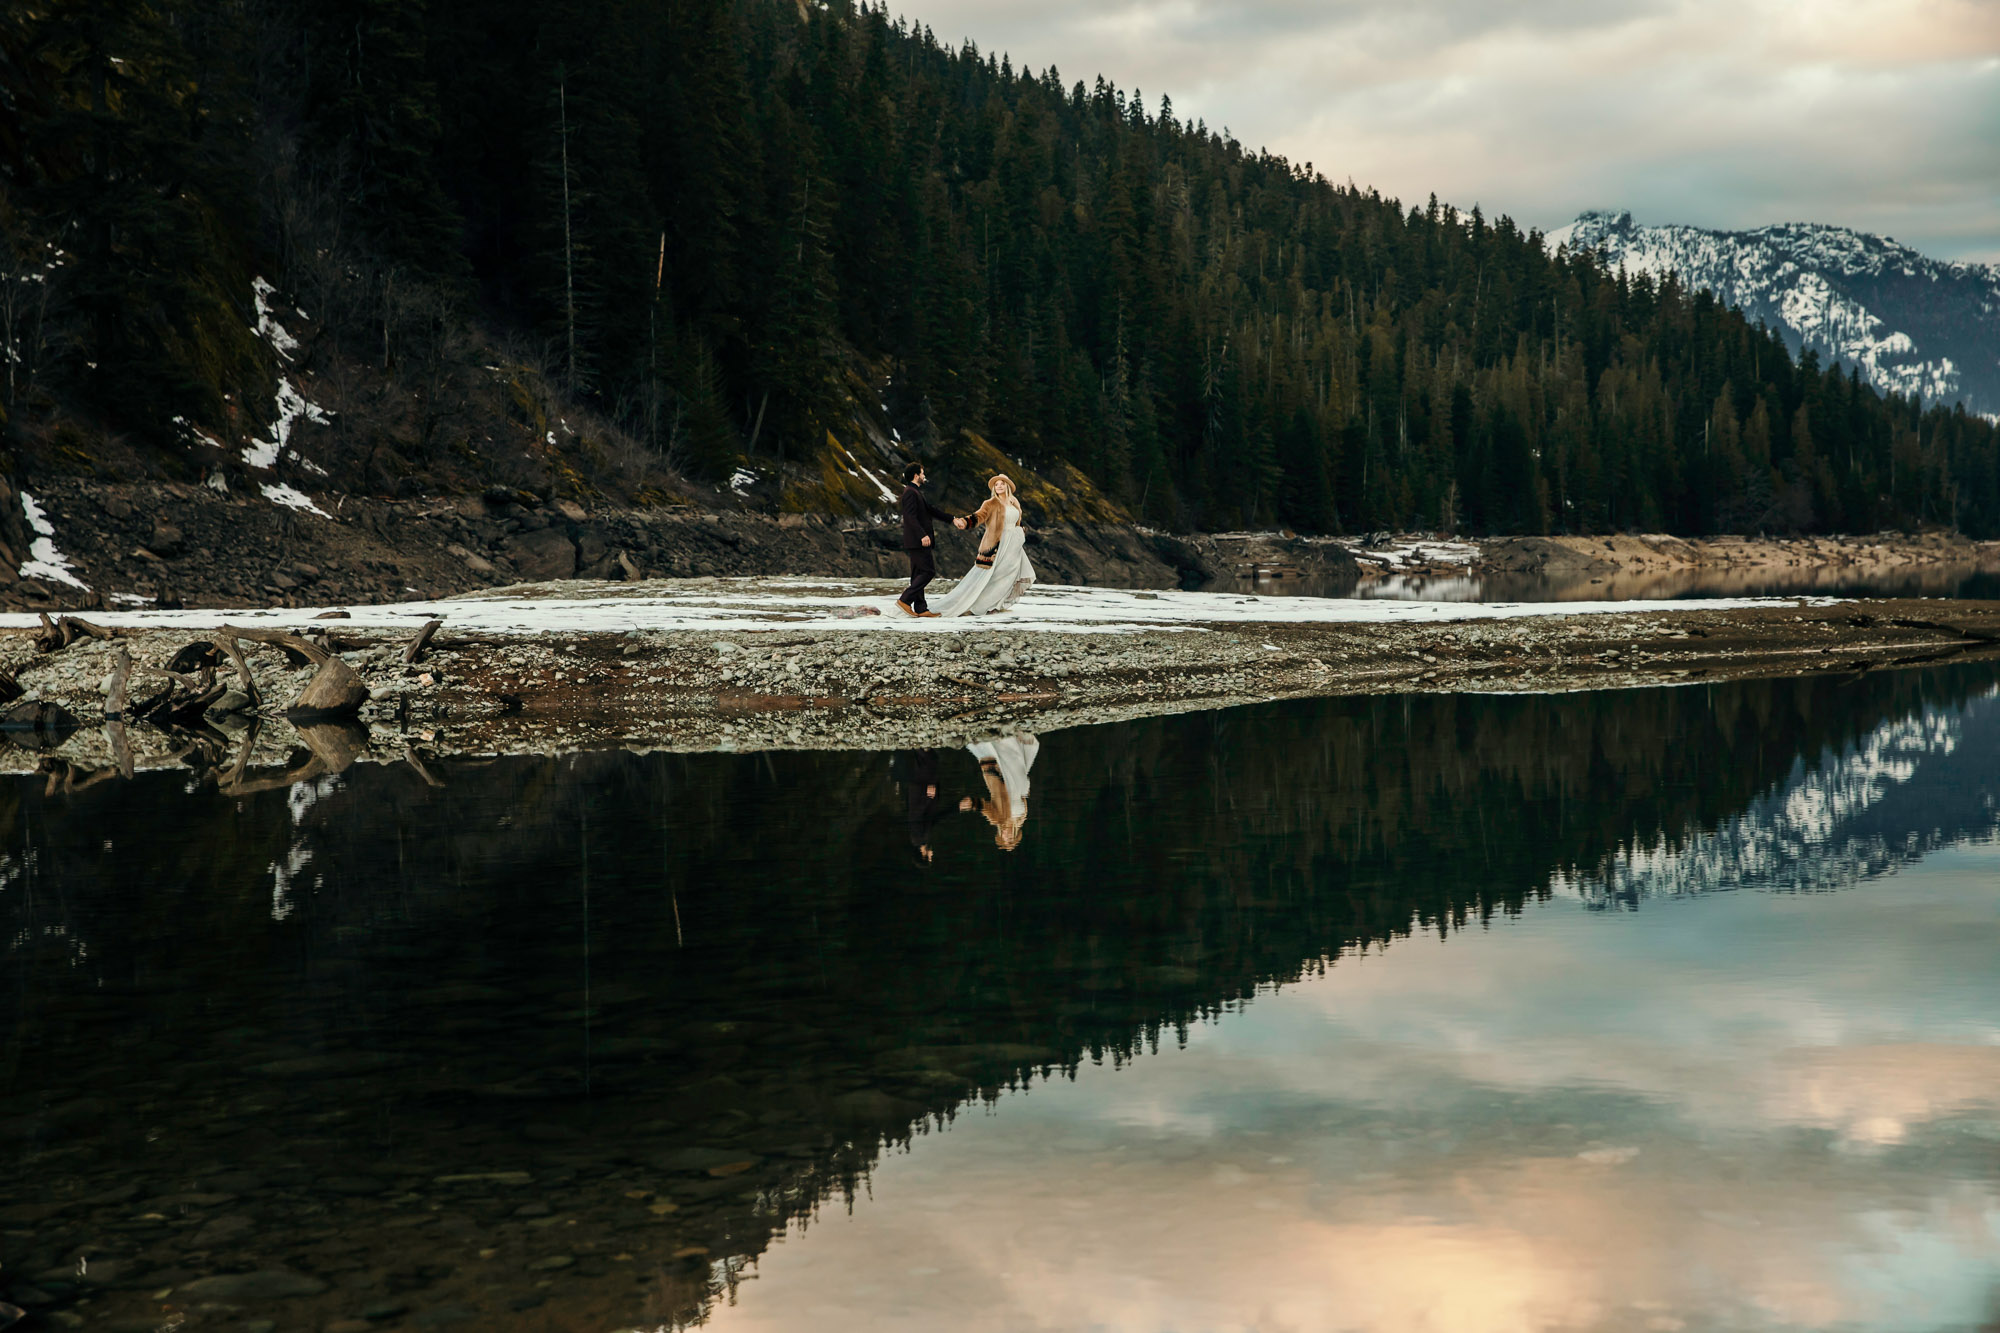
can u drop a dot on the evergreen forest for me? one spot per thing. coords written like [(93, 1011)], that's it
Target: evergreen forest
[(727, 227)]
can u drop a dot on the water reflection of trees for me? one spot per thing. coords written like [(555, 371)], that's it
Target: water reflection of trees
[(650, 958)]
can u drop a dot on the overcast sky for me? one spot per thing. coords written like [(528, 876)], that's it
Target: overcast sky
[(1882, 115)]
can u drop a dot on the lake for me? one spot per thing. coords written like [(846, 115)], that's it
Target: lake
[(1950, 581), (1663, 1009)]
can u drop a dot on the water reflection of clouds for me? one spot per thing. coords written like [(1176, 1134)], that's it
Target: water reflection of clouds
[(1748, 1112)]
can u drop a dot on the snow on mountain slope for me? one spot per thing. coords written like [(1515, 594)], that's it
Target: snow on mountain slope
[(1912, 324)]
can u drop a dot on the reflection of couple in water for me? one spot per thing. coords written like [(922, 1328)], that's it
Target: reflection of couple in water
[(1004, 762)]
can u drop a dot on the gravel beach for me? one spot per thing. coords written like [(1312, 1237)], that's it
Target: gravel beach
[(755, 664)]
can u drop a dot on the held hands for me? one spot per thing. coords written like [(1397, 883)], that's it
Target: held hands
[(927, 541), (958, 523)]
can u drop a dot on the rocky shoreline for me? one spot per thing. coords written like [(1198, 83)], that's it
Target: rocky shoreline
[(761, 685), (166, 543)]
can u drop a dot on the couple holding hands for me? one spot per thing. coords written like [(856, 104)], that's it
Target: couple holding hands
[(1000, 573)]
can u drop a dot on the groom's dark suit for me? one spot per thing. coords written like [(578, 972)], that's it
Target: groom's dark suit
[(917, 515)]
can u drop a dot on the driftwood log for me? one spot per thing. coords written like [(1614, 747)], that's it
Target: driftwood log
[(152, 703), (244, 679), (121, 675), (334, 691), (194, 656), (59, 634), (302, 652), (187, 709), (415, 652)]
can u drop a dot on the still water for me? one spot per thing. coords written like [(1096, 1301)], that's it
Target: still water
[(1952, 582), (1668, 1009)]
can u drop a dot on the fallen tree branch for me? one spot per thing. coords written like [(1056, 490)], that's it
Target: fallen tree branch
[(189, 712), (313, 654), (76, 627), (243, 676)]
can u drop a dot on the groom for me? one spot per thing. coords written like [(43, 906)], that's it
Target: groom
[(917, 515)]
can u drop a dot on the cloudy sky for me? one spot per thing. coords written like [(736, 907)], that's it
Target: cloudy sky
[(1877, 114)]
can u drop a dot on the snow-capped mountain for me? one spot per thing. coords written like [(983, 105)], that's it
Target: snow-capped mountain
[(1914, 325)]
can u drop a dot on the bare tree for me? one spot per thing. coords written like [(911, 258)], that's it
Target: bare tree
[(30, 273)]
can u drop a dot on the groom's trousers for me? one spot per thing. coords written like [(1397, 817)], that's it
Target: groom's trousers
[(923, 568)]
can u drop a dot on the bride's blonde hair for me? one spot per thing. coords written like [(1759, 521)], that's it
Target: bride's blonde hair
[(1002, 482)]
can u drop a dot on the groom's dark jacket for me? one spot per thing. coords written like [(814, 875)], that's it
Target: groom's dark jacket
[(917, 515)]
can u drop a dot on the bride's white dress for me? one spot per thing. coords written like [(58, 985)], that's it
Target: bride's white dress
[(999, 587), (1014, 756)]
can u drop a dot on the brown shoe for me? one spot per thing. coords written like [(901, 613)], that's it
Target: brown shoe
[(905, 607)]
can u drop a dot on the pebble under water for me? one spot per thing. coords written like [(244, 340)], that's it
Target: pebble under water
[(1659, 1009)]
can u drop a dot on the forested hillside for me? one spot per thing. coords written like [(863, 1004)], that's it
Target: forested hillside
[(706, 222)]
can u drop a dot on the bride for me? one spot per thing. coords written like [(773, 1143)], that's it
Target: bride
[(1004, 762), (1001, 573)]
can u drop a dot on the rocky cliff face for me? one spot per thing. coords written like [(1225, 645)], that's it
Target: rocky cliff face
[(1911, 324)]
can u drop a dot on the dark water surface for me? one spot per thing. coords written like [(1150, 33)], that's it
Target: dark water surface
[(1667, 1009)]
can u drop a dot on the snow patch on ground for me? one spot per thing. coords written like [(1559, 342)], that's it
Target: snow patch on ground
[(290, 498), (773, 604), (44, 560), (291, 407), (197, 433), (741, 480), (270, 330), (854, 467)]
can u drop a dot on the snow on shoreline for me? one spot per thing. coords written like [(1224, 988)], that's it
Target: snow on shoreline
[(796, 604)]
